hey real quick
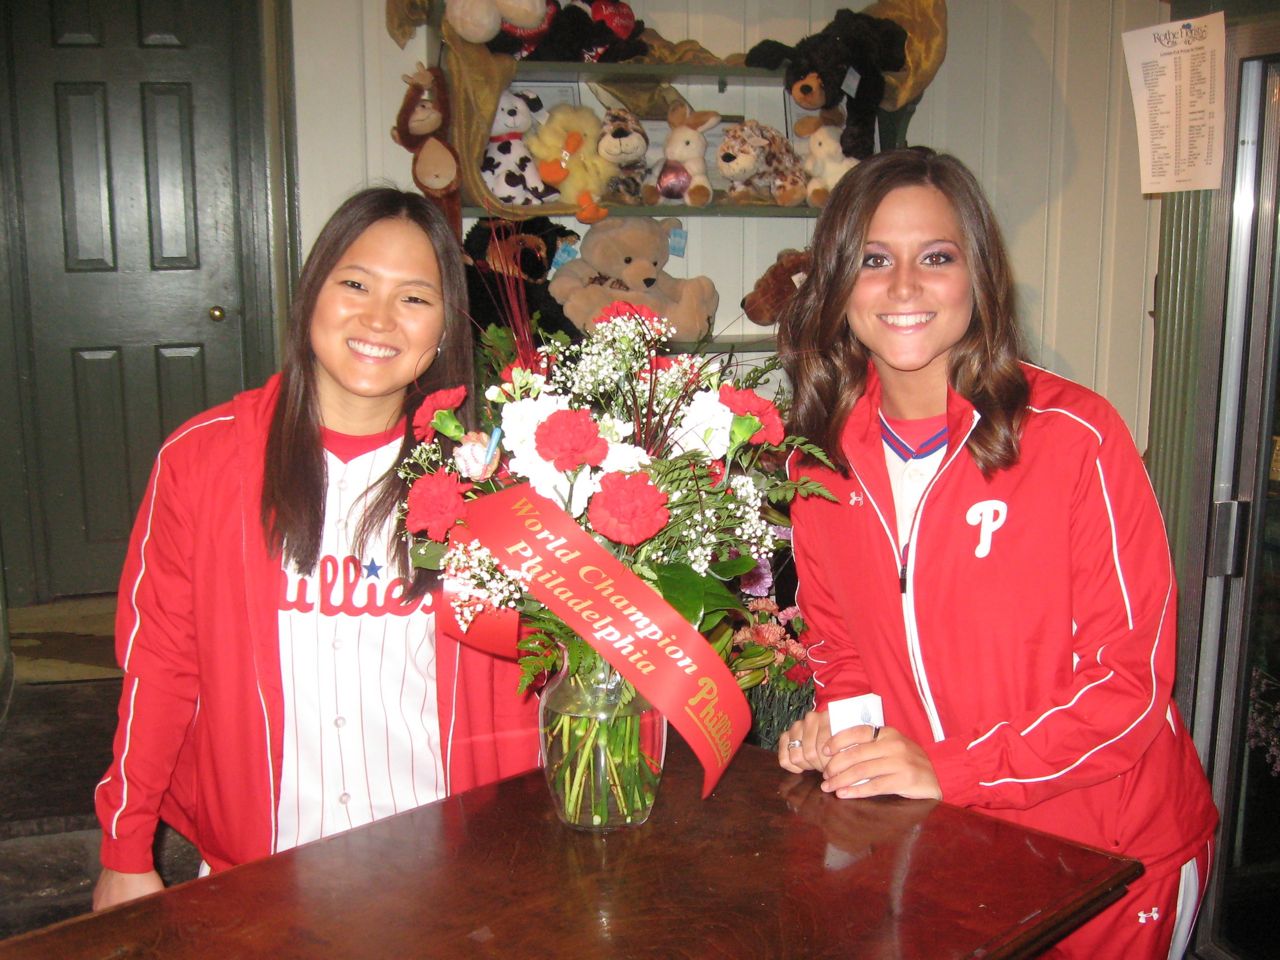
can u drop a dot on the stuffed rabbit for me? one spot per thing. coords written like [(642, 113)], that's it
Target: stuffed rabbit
[(682, 177), (826, 162)]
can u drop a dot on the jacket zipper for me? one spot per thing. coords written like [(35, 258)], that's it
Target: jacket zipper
[(903, 556)]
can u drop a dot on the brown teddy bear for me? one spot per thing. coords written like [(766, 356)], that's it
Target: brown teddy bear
[(773, 291), (622, 258)]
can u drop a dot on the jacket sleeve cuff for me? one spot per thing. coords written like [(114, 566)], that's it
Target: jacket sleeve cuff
[(132, 855), (956, 777)]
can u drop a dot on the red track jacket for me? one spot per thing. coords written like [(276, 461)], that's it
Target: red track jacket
[(199, 741), (1027, 640)]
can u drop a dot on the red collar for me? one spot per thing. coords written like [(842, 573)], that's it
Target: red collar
[(499, 137)]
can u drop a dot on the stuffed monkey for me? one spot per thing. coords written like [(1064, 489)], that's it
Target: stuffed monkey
[(420, 129)]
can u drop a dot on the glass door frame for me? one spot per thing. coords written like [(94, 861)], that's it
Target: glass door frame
[(1242, 298)]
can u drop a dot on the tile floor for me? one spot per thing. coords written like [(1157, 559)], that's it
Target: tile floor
[(53, 749)]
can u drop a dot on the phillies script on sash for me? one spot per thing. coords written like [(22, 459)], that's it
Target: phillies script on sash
[(623, 618)]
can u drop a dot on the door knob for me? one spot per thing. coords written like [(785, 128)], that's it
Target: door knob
[(217, 314)]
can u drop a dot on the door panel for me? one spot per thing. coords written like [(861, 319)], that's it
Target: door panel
[(126, 164)]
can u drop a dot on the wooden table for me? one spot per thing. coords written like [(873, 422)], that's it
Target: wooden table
[(768, 866)]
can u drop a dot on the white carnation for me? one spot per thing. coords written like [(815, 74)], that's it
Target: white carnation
[(704, 426)]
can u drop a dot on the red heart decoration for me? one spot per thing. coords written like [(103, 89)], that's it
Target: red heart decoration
[(617, 16)]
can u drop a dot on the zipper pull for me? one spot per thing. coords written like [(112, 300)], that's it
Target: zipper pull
[(902, 578)]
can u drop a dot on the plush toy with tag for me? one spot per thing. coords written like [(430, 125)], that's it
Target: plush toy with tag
[(574, 31), (500, 249), (623, 259), (775, 288), (567, 149), (625, 144), (479, 21), (825, 163), (760, 164), (846, 60), (420, 128), (508, 168), (682, 175)]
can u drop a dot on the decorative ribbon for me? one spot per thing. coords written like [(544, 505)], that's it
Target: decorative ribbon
[(623, 618)]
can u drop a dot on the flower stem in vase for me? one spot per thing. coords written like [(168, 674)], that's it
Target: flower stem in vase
[(603, 748)]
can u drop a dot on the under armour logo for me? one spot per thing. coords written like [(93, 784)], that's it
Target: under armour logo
[(855, 499), (988, 516), (1144, 916)]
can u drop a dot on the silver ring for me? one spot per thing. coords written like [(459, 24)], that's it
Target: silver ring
[(875, 732), (792, 744)]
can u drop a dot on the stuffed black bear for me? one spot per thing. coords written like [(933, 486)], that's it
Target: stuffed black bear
[(818, 65), (499, 249)]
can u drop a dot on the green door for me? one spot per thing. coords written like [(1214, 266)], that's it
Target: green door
[(129, 152)]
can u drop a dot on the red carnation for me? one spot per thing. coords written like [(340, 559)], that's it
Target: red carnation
[(748, 403), (436, 504), (629, 509), (569, 439), (448, 399), (620, 308), (800, 674)]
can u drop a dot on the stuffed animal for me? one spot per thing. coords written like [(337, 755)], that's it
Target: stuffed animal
[(479, 21), (420, 127), (825, 162), (624, 143), (774, 290), (623, 259), (498, 249), (682, 177), (818, 67), (574, 31), (508, 167), (760, 164), (566, 146)]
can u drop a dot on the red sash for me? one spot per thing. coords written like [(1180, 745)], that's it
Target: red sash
[(623, 618)]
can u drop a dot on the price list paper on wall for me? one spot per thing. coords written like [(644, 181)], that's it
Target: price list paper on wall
[(1176, 77)]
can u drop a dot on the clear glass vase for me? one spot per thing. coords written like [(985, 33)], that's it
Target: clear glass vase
[(603, 746)]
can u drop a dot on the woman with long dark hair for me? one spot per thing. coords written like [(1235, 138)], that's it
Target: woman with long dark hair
[(284, 679), (994, 567)]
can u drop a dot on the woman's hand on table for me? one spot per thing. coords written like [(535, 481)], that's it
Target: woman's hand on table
[(114, 888), (800, 747), (868, 761)]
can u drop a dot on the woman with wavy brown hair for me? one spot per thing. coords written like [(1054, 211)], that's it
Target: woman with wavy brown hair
[(992, 575)]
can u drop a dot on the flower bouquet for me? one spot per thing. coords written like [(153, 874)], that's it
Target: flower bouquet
[(612, 503), (771, 662)]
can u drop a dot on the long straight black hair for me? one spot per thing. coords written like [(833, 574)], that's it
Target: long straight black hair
[(294, 480)]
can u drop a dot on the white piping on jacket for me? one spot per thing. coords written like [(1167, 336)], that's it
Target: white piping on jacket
[(124, 755), (142, 549)]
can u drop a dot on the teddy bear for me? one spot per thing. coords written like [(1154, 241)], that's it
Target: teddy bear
[(508, 167), (764, 304), (760, 164), (819, 64), (682, 177), (566, 146), (625, 144), (622, 259), (825, 162)]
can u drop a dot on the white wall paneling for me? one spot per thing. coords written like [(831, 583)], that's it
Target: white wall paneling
[(1032, 97)]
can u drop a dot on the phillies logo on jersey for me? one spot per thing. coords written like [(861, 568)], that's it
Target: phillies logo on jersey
[(988, 516), (351, 587)]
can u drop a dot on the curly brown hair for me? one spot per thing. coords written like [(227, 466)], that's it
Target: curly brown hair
[(826, 363)]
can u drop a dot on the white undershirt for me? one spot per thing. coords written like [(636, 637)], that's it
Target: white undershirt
[(907, 479), (362, 735)]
